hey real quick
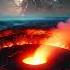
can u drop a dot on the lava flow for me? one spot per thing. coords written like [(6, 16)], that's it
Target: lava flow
[(47, 40), (40, 56), (59, 38), (11, 37)]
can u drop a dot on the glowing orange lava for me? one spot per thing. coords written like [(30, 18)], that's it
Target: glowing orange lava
[(40, 56), (58, 38)]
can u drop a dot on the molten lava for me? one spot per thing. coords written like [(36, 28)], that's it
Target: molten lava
[(40, 56), (59, 38), (42, 53), (11, 37)]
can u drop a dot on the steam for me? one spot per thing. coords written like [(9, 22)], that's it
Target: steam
[(64, 28), (60, 37)]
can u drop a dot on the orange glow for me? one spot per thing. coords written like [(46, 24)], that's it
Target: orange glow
[(23, 36), (40, 56), (35, 31), (59, 38), (56, 39)]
